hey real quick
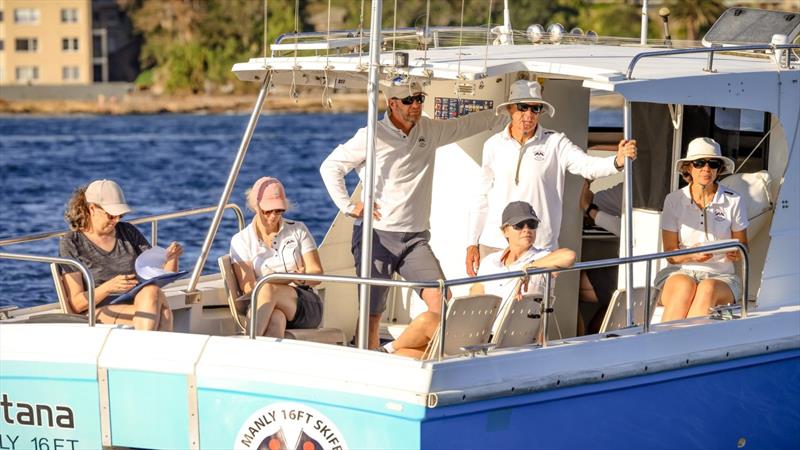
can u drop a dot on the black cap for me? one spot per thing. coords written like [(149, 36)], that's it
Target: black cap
[(517, 212)]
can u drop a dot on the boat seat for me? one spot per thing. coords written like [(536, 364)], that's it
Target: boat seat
[(61, 291), (518, 322), (239, 302), (616, 314), (468, 323), (757, 191)]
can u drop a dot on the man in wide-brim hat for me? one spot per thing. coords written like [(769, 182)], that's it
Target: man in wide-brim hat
[(527, 162)]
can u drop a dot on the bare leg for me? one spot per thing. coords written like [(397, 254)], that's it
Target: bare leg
[(372, 333), (148, 308), (277, 324), (677, 297), (709, 293), (586, 292), (165, 321), (433, 299), (270, 298), (418, 333)]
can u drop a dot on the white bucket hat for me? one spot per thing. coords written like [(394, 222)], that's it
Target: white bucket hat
[(705, 148), (523, 91), (391, 90)]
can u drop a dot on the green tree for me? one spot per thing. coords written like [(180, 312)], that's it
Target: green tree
[(695, 15)]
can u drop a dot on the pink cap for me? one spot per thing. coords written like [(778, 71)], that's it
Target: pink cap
[(268, 194)]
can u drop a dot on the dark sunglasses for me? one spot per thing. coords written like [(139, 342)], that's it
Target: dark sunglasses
[(110, 216), (530, 224), (420, 98), (713, 164), (271, 211), (536, 108)]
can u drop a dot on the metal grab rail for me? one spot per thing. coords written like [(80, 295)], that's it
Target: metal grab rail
[(153, 219), (709, 50), (444, 284), (87, 276)]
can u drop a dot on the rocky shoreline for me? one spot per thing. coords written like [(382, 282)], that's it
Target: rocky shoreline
[(140, 103)]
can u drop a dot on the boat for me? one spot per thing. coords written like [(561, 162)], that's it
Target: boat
[(726, 380)]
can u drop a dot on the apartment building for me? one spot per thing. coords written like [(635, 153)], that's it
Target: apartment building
[(46, 42)]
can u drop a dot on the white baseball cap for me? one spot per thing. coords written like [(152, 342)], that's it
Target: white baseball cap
[(108, 195)]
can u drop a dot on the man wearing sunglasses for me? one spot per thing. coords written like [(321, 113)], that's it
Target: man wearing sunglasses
[(527, 162), (405, 153)]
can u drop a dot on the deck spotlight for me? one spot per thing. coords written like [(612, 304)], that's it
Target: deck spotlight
[(592, 37), (556, 32), (576, 32), (535, 33)]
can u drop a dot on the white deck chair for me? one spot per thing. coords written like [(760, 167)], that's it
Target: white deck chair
[(468, 322), (518, 323), (616, 315), (238, 304)]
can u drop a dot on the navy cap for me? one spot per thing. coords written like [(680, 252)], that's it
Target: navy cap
[(517, 212)]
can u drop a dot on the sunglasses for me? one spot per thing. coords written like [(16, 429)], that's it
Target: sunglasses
[(536, 108), (109, 216), (272, 211), (530, 224), (419, 98), (713, 164)]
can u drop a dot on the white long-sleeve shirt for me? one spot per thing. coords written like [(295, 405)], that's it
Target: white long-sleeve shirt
[(403, 166), (533, 172)]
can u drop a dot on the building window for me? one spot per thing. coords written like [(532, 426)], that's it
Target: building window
[(1, 16), (2, 45), (69, 44), (26, 15), (70, 73), (26, 44), (69, 15), (25, 74)]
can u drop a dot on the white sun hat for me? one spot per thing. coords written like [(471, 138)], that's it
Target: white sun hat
[(524, 91), (705, 148)]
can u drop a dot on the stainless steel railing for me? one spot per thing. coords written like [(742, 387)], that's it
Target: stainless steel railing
[(443, 285), (710, 50), (152, 219), (85, 273)]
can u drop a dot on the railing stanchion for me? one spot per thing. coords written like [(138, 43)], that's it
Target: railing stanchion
[(442, 321), (745, 276), (646, 317), (154, 233), (546, 309)]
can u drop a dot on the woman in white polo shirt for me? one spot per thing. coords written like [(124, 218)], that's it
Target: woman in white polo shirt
[(271, 244), (698, 214)]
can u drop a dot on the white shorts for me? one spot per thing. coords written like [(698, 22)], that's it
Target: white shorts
[(731, 279)]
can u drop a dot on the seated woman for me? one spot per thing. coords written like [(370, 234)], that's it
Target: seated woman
[(270, 244), (519, 228), (108, 248), (701, 213)]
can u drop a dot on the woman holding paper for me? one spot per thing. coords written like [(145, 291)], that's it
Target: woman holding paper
[(272, 243), (698, 214), (109, 247)]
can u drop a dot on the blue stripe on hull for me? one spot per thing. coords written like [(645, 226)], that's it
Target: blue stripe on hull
[(709, 406)]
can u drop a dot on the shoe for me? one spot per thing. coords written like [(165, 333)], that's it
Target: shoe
[(381, 349)]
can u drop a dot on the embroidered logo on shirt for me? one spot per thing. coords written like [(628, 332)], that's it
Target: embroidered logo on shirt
[(421, 142), (538, 155), (719, 215)]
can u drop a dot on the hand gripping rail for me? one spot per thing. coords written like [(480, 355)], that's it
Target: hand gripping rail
[(443, 285), (87, 276)]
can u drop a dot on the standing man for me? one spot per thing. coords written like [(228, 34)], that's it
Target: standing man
[(405, 153), (526, 162)]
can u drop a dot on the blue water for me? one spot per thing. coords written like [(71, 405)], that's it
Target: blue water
[(164, 163)]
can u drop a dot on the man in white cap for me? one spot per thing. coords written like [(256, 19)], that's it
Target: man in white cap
[(527, 162), (405, 153)]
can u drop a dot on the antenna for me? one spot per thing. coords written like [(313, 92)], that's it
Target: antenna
[(664, 13)]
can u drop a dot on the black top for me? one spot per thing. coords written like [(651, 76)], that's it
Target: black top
[(105, 265)]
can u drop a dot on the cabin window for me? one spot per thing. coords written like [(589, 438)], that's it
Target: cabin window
[(738, 132)]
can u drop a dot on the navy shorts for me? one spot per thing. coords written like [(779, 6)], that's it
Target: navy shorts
[(309, 309), (408, 254)]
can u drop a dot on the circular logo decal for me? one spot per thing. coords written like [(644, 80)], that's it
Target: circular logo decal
[(289, 426)]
